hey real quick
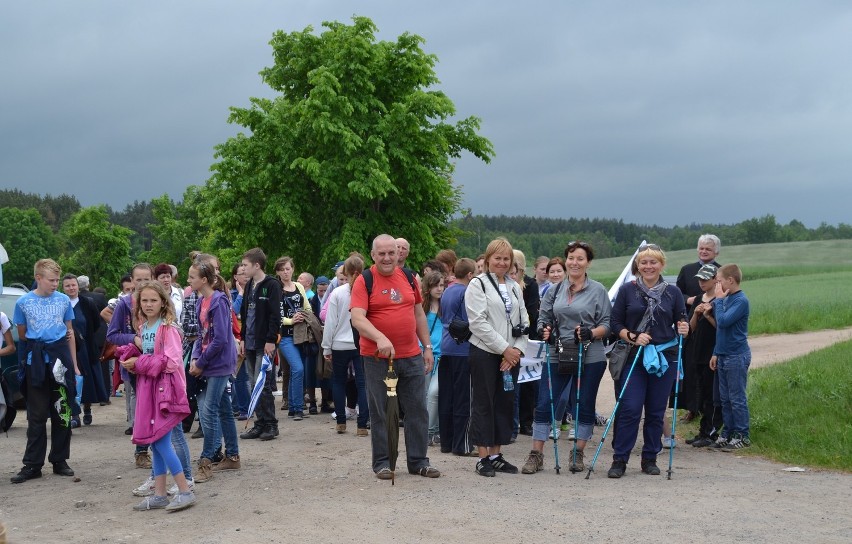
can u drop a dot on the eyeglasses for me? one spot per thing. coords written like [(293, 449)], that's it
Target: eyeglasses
[(574, 244)]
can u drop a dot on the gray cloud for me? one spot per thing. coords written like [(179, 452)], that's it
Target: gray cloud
[(651, 112)]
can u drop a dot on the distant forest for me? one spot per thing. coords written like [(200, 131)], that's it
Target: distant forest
[(533, 235)]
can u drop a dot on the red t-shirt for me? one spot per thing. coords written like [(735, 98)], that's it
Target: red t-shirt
[(390, 310)]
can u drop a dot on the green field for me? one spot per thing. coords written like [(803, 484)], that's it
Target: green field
[(801, 411)]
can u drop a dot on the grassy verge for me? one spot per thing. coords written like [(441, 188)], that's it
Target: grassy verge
[(801, 411), (800, 303)]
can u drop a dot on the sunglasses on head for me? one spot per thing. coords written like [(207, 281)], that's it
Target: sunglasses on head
[(574, 244), (654, 247)]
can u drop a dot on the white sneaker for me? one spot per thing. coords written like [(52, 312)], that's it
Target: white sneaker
[(558, 432), (668, 442), (173, 490), (146, 489), (571, 435), (351, 414)]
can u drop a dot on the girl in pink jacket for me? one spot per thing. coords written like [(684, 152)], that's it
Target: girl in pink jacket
[(161, 401)]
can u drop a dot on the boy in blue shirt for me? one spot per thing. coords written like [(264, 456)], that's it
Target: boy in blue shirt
[(731, 358), (44, 320)]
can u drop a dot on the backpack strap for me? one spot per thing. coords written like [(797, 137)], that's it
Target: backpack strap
[(368, 280)]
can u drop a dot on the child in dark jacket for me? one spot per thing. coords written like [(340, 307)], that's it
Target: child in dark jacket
[(161, 401)]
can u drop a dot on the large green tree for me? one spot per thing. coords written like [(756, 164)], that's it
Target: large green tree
[(356, 142), (26, 238), (97, 248)]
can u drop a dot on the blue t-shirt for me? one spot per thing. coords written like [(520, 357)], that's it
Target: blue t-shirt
[(149, 334), (44, 317)]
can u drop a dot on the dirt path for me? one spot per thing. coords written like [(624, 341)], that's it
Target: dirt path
[(312, 485)]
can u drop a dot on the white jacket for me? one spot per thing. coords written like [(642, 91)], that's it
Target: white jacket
[(337, 334), (486, 314)]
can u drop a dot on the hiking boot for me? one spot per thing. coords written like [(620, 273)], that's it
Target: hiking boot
[(340, 428), (702, 442), (198, 434), (617, 469), (269, 433), (385, 474), (204, 472), (737, 442), (362, 432), (535, 463), (501, 465), (252, 433), (61, 468), (146, 489), (181, 501), (26, 473), (485, 468), (152, 503), (720, 442), (143, 460), (174, 489), (577, 464), (230, 462), (649, 466)]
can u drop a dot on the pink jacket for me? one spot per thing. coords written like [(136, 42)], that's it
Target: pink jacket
[(161, 401)]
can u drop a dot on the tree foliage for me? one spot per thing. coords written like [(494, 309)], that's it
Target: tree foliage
[(354, 144), (55, 210), (138, 217), (26, 238), (97, 248)]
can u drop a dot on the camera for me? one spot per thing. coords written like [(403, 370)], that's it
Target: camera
[(520, 330)]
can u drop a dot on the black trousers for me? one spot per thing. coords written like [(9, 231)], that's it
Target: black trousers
[(40, 407), (454, 404), (492, 409), (709, 403)]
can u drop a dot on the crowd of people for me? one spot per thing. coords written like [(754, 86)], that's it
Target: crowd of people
[(454, 334)]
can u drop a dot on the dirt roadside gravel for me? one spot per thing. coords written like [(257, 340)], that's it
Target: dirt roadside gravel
[(312, 485)]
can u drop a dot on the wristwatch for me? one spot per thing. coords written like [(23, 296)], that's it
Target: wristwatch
[(427, 346)]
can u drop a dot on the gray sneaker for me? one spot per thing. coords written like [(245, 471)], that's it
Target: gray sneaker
[(153, 502), (181, 501)]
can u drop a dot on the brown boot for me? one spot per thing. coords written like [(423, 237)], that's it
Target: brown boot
[(204, 472), (228, 463), (535, 463), (577, 462), (143, 460)]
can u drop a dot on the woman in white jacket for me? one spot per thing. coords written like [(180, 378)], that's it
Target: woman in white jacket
[(340, 346), (499, 325)]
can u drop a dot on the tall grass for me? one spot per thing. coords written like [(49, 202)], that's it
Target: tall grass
[(801, 411), (800, 303)]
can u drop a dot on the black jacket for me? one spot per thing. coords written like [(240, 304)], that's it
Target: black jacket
[(268, 312)]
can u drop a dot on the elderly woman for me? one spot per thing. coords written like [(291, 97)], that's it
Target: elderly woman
[(574, 311), (499, 326), (648, 313)]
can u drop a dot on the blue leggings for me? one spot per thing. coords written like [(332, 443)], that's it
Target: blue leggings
[(165, 458)]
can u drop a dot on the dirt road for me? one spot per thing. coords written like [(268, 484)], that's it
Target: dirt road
[(312, 485)]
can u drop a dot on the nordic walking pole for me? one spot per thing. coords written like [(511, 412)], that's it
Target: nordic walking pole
[(614, 410), (552, 411), (674, 413), (577, 405)]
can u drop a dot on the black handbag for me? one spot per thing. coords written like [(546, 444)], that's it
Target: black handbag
[(568, 356), (459, 329)]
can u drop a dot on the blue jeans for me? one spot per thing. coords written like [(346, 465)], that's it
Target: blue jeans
[(217, 418), (733, 376), (242, 389), (566, 383), (182, 450), (296, 391), (340, 360)]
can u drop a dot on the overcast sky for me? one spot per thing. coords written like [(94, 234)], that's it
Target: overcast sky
[(652, 112)]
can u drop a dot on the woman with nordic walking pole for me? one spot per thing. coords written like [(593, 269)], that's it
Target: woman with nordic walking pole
[(648, 313), (572, 312)]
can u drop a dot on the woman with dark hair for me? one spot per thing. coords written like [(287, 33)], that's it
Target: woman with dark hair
[(556, 270), (499, 326), (294, 302), (575, 311), (649, 313), (432, 290)]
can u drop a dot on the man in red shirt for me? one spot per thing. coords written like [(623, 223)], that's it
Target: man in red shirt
[(390, 320)]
